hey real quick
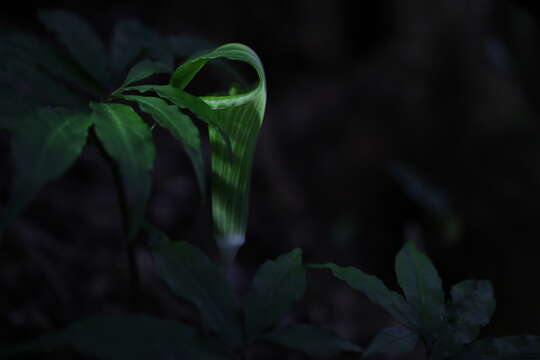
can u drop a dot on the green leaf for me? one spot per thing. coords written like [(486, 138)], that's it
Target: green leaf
[(472, 306), (181, 99), (144, 69), (422, 287), (25, 77), (44, 58), (192, 276), (463, 332), (276, 286), (81, 41), (504, 348), (451, 339), (180, 126), (240, 116), (44, 145), (134, 337), (392, 341), (473, 301), (375, 290), (133, 40), (186, 101), (128, 141), (312, 340)]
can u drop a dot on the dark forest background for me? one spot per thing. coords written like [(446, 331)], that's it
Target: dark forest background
[(386, 120)]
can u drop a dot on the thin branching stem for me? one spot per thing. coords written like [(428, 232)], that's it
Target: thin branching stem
[(133, 268)]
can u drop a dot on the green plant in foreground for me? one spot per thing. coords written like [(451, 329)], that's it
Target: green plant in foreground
[(447, 329), (193, 277), (46, 140)]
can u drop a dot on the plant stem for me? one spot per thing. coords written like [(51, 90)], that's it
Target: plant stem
[(134, 277), (428, 352), (133, 268), (428, 347)]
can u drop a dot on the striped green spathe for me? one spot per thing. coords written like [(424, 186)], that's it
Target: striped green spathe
[(239, 116)]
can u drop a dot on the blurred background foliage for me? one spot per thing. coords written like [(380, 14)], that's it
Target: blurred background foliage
[(387, 120)]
